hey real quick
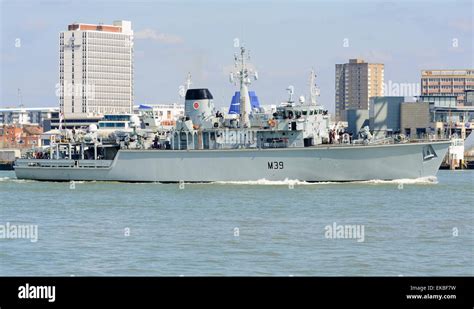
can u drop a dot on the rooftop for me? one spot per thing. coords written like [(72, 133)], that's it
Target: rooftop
[(119, 26), (447, 72), (28, 109)]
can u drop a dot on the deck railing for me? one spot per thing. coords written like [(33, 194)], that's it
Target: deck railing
[(63, 163)]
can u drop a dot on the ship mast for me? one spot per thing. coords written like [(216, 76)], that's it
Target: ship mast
[(244, 75), (187, 84)]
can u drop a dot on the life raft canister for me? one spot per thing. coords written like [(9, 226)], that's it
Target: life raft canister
[(272, 122)]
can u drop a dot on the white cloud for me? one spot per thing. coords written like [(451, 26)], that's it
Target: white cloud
[(150, 34)]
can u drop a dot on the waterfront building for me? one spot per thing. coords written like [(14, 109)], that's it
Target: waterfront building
[(96, 70), (384, 115), (356, 82), (25, 115), (20, 136), (415, 119), (356, 120), (447, 83)]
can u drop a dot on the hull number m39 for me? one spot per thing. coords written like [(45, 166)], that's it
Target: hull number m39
[(275, 165)]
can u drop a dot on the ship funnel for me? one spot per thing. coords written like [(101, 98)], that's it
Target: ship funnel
[(198, 105)]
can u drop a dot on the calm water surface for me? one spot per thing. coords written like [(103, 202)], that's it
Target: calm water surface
[(417, 228)]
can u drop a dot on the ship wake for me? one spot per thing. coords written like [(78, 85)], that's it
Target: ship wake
[(430, 180), (16, 180), (289, 182)]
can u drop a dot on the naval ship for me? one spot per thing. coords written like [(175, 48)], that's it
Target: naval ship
[(294, 141)]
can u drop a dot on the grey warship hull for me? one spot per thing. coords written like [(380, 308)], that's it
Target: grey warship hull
[(312, 164)]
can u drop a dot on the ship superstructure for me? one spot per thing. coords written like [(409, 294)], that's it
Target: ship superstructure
[(296, 140)]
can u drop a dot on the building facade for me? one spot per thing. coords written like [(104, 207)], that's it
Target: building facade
[(356, 82), (96, 69), (439, 118), (384, 114), (440, 101), (447, 83), (415, 120), (356, 120), (469, 98), (20, 136), (26, 115), (56, 122)]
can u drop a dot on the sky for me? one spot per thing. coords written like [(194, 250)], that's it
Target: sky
[(286, 40)]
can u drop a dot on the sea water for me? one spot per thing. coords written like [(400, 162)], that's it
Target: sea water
[(420, 227)]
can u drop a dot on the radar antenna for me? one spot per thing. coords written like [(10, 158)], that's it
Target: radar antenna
[(187, 84), (244, 75)]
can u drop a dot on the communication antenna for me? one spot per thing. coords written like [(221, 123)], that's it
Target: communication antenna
[(314, 90), (20, 99), (188, 81), (187, 84), (291, 91), (244, 75)]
